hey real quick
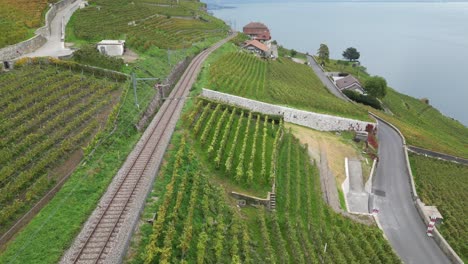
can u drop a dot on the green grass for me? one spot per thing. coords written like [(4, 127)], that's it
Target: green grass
[(52, 231), (444, 184), (342, 199), (297, 232), (359, 72), (282, 82)]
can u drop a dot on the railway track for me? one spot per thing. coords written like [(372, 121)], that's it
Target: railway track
[(105, 237)]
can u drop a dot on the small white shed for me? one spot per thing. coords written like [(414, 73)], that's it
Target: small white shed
[(111, 47)]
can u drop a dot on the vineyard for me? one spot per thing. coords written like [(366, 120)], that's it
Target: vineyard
[(196, 221), (421, 124), (47, 116), (444, 184), (19, 19), (279, 82), (146, 23)]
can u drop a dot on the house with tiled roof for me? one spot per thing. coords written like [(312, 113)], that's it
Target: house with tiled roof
[(257, 47), (258, 31), (349, 83)]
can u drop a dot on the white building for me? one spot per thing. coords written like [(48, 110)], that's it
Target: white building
[(111, 47)]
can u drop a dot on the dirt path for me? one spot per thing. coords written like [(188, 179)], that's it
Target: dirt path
[(329, 151)]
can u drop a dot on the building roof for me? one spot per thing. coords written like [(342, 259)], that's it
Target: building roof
[(257, 44), (256, 25), (347, 82), (111, 42)]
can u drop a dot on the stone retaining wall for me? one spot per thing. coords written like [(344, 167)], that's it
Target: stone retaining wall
[(16, 50), (321, 122)]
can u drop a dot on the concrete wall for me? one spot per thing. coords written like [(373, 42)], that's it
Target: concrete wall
[(313, 120), (13, 51), (438, 238)]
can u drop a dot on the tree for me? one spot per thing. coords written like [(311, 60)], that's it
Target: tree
[(376, 86), (293, 53), (323, 53), (351, 54)]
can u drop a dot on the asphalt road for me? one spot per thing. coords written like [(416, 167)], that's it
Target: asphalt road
[(392, 196), (54, 46), (318, 71)]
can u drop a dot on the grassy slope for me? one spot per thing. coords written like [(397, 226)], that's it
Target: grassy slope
[(422, 125), (444, 184), (282, 82)]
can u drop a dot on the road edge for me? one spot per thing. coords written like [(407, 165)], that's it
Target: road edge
[(437, 236)]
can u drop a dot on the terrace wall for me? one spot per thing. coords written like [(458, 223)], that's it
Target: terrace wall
[(321, 122)]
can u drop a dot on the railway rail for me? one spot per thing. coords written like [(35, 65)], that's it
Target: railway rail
[(105, 237)]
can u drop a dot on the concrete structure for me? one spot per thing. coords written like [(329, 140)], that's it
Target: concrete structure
[(258, 31), (356, 197), (257, 47), (321, 122), (348, 83), (111, 47)]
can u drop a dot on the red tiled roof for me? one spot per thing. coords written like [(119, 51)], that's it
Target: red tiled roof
[(256, 44), (256, 25), (257, 30)]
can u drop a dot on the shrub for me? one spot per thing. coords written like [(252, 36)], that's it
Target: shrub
[(363, 99), (88, 54)]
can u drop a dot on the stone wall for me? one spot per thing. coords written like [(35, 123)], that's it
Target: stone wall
[(313, 120), (13, 51)]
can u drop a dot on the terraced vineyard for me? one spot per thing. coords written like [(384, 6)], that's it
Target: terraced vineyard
[(146, 23), (19, 19), (444, 184), (421, 124), (196, 221), (280, 82), (47, 115)]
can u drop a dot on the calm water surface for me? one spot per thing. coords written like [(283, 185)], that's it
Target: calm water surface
[(420, 48)]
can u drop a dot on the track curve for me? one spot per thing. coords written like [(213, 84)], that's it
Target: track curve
[(106, 235)]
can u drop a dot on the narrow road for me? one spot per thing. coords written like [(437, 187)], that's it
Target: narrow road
[(55, 46), (106, 235), (318, 71), (398, 217)]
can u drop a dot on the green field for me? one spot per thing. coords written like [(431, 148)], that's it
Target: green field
[(20, 18), (281, 82), (145, 23), (444, 184), (198, 222), (48, 115)]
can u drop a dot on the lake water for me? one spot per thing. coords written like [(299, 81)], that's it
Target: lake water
[(420, 48)]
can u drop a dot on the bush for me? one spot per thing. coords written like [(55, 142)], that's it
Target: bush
[(90, 55), (363, 99)]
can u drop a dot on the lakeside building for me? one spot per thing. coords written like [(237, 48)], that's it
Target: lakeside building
[(257, 31), (348, 83), (257, 47), (111, 47)]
